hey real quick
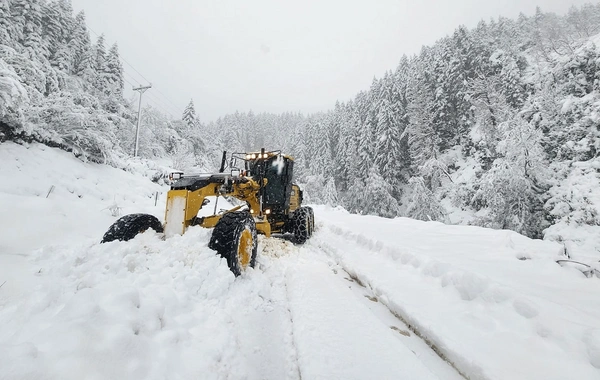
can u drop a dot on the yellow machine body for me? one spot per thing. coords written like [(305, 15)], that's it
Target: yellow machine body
[(189, 194)]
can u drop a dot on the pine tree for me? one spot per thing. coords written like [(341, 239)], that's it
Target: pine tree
[(18, 12), (330, 195), (29, 13), (377, 198), (99, 65), (424, 204), (365, 151), (321, 161), (423, 140), (80, 46), (346, 164), (189, 115), (59, 28), (5, 24), (52, 28), (114, 72), (389, 156)]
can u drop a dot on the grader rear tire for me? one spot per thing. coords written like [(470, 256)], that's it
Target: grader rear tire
[(302, 225), (235, 239), (128, 226), (312, 220)]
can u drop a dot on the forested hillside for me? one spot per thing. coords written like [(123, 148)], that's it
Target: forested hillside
[(495, 126), (59, 87)]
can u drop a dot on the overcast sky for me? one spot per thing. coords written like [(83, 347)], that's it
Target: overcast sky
[(277, 55)]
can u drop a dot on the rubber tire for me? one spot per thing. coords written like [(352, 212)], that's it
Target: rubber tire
[(302, 228), (312, 220), (128, 226), (226, 236)]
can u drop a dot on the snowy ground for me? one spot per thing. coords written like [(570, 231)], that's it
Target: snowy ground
[(492, 303)]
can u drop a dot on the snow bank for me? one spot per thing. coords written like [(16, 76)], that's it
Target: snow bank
[(53, 197), (143, 309)]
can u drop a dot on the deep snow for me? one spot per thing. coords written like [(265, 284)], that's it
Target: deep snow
[(494, 303)]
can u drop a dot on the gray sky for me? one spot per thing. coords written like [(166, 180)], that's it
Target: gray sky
[(277, 55)]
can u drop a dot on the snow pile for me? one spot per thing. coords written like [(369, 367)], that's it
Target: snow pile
[(144, 309), (494, 302)]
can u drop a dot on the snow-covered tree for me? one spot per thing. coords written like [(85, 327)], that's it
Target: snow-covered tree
[(377, 198), (99, 64), (330, 195), (390, 154), (114, 73), (80, 45), (189, 114), (513, 188), (424, 205), (6, 25), (12, 97)]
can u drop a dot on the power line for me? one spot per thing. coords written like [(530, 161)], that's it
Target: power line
[(157, 102), (170, 109), (160, 92), (142, 76)]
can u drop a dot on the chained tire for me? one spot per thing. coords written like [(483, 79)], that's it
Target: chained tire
[(302, 229), (312, 220), (128, 226), (234, 238)]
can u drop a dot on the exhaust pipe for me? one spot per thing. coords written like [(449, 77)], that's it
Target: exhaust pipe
[(223, 162)]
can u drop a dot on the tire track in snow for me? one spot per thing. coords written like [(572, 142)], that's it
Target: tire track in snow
[(279, 256), (274, 266), (320, 244)]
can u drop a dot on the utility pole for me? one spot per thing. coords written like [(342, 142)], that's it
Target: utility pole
[(141, 90)]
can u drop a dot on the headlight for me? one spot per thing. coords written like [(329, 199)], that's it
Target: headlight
[(176, 175)]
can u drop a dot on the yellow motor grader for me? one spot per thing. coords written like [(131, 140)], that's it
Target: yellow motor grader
[(271, 203)]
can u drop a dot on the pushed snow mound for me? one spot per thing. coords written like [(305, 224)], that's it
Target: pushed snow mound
[(142, 309)]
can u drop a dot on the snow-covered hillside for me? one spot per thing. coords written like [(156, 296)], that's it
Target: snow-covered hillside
[(366, 297)]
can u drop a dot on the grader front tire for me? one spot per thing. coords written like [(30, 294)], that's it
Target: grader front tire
[(235, 239), (128, 226)]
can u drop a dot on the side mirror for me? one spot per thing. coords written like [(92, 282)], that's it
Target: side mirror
[(205, 202)]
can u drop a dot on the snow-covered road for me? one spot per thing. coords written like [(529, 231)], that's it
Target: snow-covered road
[(154, 309)]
